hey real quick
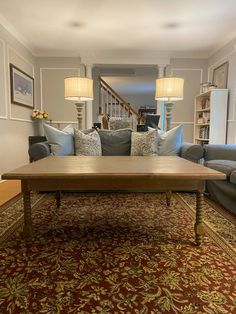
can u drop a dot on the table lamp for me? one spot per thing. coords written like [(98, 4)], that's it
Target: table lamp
[(79, 89), (169, 89)]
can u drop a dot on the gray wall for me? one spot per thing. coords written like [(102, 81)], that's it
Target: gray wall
[(194, 73), (227, 54), (50, 74), (15, 121)]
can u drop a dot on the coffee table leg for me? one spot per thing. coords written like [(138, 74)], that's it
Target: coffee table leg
[(198, 223), (27, 214), (58, 198), (168, 198)]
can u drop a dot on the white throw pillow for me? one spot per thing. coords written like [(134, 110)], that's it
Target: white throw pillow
[(69, 129), (169, 142), (87, 144), (144, 144), (61, 142)]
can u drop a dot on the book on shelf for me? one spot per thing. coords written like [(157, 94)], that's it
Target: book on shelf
[(205, 103), (204, 132), (203, 118)]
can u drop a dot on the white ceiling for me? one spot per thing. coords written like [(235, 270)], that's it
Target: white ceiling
[(93, 27)]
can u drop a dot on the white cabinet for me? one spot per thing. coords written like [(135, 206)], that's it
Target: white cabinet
[(210, 117)]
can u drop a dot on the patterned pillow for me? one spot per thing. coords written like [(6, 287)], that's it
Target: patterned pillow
[(144, 144), (119, 123), (87, 144)]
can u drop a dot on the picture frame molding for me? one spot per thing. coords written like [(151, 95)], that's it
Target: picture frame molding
[(13, 101)]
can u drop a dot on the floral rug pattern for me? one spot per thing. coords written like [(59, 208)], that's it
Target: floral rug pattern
[(116, 253)]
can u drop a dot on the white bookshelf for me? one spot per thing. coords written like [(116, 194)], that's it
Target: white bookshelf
[(210, 117)]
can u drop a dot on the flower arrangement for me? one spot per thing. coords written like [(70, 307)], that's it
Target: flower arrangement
[(37, 114)]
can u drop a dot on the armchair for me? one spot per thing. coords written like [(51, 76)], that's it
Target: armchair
[(222, 158)]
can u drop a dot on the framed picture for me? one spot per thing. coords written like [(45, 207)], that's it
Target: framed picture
[(220, 75), (22, 87)]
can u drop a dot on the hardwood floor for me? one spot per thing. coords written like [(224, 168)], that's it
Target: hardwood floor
[(9, 189)]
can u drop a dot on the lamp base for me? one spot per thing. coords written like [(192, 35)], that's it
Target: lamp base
[(80, 114), (168, 106)]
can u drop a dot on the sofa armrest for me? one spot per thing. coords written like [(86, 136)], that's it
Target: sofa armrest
[(190, 151), (232, 178), (220, 151), (38, 151)]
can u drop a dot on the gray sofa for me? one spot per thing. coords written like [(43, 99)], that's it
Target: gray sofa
[(222, 158), (116, 144)]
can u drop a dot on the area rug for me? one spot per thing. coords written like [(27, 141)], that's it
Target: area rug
[(117, 253)]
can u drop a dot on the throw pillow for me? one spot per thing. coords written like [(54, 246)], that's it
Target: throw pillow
[(115, 142), (69, 129), (61, 142), (169, 142), (87, 144), (144, 144), (119, 123)]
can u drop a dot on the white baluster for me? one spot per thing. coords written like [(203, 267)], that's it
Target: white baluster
[(102, 99), (107, 106), (111, 105), (115, 107)]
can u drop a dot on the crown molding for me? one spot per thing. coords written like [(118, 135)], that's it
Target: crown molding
[(126, 58), (17, 36), (116, 57)]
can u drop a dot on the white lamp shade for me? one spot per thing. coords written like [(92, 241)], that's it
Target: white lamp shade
[(169, 88), (78, 88)]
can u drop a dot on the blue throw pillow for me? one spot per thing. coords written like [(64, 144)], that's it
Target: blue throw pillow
[(169, 142), (61, 142)]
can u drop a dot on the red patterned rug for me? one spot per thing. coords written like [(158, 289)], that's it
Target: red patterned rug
[(117, 253)]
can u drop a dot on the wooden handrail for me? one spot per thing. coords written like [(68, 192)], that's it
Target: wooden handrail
[(122, 102)]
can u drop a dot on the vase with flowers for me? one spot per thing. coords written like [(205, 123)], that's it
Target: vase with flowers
[(39, 116)]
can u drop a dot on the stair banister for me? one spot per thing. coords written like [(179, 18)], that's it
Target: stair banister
[(123, 105)]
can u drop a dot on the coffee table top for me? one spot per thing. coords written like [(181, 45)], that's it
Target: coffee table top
[(170, 167)]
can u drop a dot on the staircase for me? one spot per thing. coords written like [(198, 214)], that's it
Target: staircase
[(114, 105)]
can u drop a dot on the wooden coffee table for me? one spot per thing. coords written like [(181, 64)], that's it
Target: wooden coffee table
[(105, 173)]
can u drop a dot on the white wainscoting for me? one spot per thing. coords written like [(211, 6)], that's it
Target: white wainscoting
[(3, 93)]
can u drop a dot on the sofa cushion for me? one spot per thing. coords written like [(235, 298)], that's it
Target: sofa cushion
[(169, 143), (61, 142), (87, 144), (225, 166), (232, 178), (144, 144), (115, 142)]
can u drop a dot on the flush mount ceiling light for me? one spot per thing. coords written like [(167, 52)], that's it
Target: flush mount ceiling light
[(171, 25), (75, 24)]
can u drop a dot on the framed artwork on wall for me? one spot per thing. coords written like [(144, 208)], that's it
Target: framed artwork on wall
[(220, 75), (22, 87)]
